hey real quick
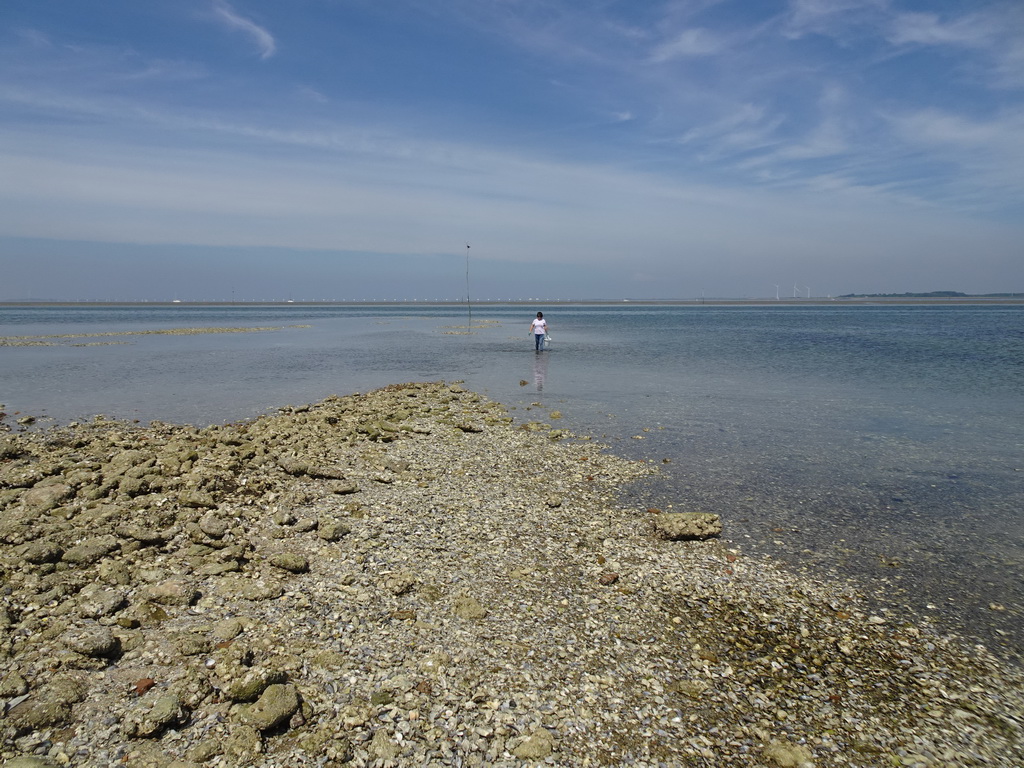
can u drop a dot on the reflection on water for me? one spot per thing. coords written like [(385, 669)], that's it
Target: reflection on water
[(540, 369), (883, 443)]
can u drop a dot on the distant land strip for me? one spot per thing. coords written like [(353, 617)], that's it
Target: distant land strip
[(849, 299)]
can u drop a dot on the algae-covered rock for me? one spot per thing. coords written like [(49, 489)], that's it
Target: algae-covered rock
[(676, 526), (468, 607), (49, 706), (331, 530), (171, 592), (197, 499), (274, 707), (240, 676), (94, 641), (29, 762), (41, 551), (789, 755), (539, 745), (43, 498), (242, 743), (152, 718), (292, 562), (92, 550)]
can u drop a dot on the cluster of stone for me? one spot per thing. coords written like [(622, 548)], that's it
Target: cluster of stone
[(409, 577), (121, 545)]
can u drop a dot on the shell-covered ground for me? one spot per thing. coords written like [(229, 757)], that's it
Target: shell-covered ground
[(408, 577)]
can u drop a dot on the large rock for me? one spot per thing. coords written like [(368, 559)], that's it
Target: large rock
[(789, 755), (329, 529), (273, 708), (92, 550), (242, 743), (41, 551), (96, 600), (382, 747), (213, 525), (676, 526), (153, 718), (43, 498), (171, 592), (468, 607), (94, 641), (240, 676), (29, 762), (293, 562), (51, 706), (538, 746)]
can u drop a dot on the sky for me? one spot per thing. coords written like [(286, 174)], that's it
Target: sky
[(509, 149)]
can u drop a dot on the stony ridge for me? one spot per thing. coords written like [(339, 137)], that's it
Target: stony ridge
[(407, 577)]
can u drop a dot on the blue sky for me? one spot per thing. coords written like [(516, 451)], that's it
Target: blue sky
[(350, 149)]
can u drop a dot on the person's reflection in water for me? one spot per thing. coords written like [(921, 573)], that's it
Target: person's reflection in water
[(540, 370)]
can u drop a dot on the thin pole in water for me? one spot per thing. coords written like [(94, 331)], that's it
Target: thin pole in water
[(469, 307)]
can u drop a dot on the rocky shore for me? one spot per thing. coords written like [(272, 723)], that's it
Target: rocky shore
[(408, 577)]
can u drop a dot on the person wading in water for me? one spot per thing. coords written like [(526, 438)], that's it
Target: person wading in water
[(539, 329)]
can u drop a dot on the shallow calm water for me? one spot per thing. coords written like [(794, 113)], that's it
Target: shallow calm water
[(882, 442)]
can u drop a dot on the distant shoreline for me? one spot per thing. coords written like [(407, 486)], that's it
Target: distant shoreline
[(848, 301)]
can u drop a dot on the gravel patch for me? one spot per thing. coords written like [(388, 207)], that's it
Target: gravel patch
[(408, 577)]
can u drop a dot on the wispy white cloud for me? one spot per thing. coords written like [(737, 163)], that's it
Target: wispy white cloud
[(687, 44), (996, 36), (34, 37), (984, 157), (943, 128), (926, 28), (757, 139), (165, 70), (745, 128), (993, 33), (312, 94), (263, 39), (828, 137), (829, 16)]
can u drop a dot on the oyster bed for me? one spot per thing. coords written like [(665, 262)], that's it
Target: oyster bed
[(408, 577)]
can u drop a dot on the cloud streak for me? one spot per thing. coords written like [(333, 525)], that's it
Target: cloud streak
[(261, 37), (687, 44)]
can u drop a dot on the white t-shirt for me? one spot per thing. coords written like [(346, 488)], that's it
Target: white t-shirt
[(540, 327)]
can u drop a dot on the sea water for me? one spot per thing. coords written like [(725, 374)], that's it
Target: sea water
[(880, 443)]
